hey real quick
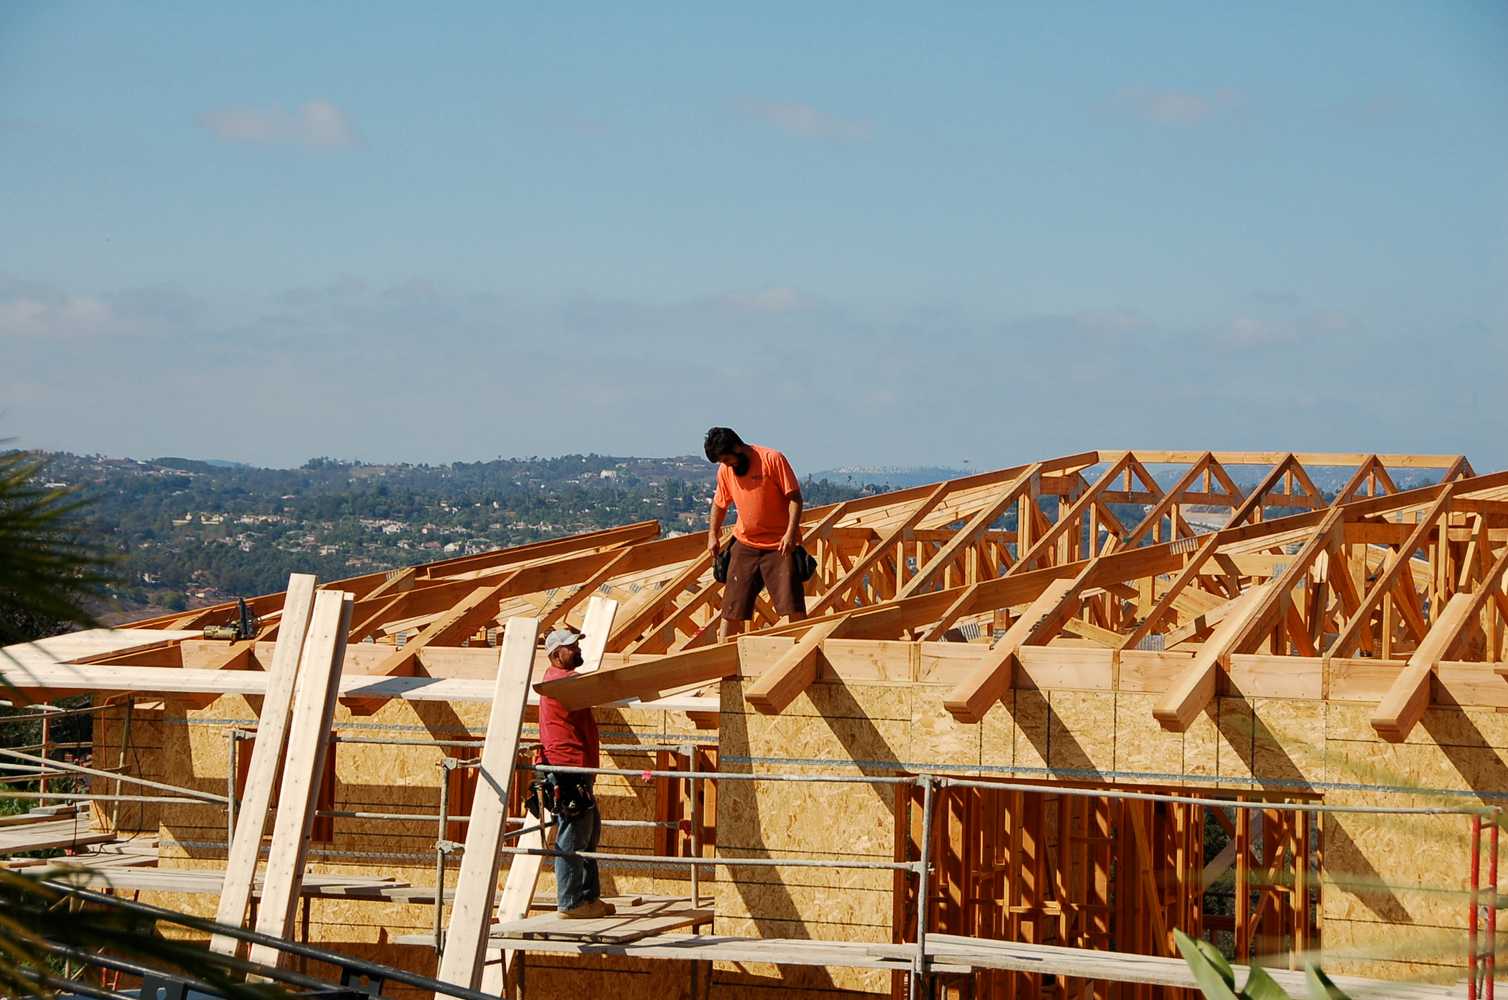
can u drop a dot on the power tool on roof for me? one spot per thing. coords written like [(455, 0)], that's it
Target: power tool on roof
[(243, 627)]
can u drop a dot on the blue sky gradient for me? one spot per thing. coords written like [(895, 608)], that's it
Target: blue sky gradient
[(865, 233)]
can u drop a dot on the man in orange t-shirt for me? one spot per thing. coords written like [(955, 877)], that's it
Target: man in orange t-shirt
[(763, 486)]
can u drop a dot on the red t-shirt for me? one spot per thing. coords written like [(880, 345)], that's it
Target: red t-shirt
[(569, 738), (762, 496)]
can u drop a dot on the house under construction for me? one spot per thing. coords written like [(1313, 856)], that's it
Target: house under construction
[(1036, 720)]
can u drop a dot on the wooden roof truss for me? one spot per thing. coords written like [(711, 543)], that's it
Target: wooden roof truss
[(1037, 555)]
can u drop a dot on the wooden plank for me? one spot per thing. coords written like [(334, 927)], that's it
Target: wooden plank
[(1195, 686), (1408, 697), (631, 922), (308, 741), (514, 902), (795, 671), (972, 697), (597, 626), (266, 753), (466, 940), (76, 831), (640, 680)]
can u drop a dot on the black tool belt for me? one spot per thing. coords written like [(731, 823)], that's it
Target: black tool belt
[(564, 795)]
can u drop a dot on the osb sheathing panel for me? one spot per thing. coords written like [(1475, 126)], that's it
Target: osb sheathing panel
[(1144, 750), (729, 983), (371, 777), (1030, 712), (1399, 869), (1288, 743), (793, 816), (1081, 734), (549, 975), (1217, 748), (1360, 948), (814, 906), (836, 743), (940, 739), (997, 736), (873, 879), (144, 759)]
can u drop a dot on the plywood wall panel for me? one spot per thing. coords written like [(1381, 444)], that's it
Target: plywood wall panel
[(1144, 750), (997, 736), (1288, 743), (1081, 734)]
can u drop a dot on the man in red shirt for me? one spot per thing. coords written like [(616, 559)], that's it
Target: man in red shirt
[(763, 486), (569, 739)]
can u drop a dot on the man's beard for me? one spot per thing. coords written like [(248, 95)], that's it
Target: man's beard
[(573, 659), (741, 464)]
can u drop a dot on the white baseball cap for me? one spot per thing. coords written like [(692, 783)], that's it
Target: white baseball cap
[(562, 637)]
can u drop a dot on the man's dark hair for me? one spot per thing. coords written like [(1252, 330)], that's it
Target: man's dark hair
[(721, 441)]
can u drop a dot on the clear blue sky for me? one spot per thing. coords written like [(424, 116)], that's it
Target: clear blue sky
[(865, 233)]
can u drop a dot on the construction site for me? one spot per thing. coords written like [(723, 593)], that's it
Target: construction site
[(1021, 738)]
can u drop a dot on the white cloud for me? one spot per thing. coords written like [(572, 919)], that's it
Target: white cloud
[(1175, 107), (805, 121), (53, 316), (316, 123)]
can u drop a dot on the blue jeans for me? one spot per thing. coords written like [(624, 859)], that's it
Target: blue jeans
[(576, 878)]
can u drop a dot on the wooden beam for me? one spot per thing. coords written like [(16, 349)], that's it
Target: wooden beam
[(586, 541), (1350, 636), (1406, 700), (643, 618), (585, 592), (1068, 518), (653, 678), (597, 626), (831, 597), (638, 680), (970, 532), (308, 742), (1270, 612), (1408, 697), (478, 608), (972, 697), (513, 903), (794, 672), (267, 751), (1195, 686), (1169, 499), (476, 885)]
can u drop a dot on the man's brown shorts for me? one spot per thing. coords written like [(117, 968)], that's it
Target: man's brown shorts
[(749, 571)]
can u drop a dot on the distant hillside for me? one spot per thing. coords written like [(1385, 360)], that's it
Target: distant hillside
[(892, 476), (188, 532)]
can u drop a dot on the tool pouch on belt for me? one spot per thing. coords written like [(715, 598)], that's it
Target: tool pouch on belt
[(564, 795), (573, 795), (806, 566)]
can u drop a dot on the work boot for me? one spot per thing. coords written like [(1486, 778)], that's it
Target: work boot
[(587, 910)]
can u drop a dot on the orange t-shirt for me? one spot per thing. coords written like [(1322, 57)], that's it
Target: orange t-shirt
[(762, 496)]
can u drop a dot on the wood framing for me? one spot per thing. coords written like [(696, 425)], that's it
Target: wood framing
[(309, 740), (266, 754), (471, 913), (1209, 627)]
